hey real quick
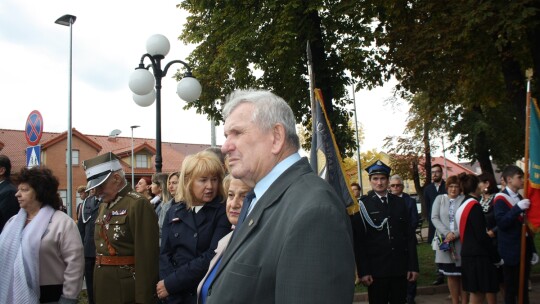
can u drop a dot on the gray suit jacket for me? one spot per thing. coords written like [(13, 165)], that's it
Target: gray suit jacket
[(294, 247)]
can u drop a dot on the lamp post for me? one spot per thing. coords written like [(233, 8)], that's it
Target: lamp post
[(142, 81), (68, 20), (132, 158), (359, 164)]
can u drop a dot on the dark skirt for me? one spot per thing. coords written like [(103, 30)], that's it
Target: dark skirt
[(449, 269), (50, 293), (478, 274)]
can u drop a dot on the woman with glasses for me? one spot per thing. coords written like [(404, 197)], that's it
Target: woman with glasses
[(447, 239)]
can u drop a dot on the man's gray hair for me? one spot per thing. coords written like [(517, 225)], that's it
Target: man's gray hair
[(396, 176), (270, 109)]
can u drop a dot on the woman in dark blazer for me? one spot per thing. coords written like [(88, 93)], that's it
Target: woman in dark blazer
[(192, 229), (479, 256)]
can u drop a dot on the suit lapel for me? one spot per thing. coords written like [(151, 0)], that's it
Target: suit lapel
[(270, 197)]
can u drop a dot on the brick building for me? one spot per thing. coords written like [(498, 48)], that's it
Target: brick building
[(54, 154)]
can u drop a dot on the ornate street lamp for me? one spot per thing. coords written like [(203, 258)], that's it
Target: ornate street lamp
[(142, 82)]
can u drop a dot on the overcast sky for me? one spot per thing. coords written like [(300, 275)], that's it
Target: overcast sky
[(109, 39)]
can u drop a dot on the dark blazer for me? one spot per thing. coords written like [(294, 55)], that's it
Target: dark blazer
[(383, 253), (509, 232), (413, 210), (294, 247), (475, 242), (430, 193), (89, 212), (187, 247), (9, 206)]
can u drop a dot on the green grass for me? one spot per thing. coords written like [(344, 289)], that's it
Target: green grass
[(426, 260)]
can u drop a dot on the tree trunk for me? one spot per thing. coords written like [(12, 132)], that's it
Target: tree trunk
[(427, 167), (514, 80)]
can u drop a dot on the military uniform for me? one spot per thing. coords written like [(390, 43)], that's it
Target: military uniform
[(126, 238), (385, 243)]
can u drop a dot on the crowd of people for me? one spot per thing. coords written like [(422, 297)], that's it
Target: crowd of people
[(252, 223), (477, 237)]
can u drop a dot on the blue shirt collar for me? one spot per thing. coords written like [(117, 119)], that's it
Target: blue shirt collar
[(270, 178)]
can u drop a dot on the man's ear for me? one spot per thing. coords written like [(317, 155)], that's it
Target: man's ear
[(278, 134), (2, 171)]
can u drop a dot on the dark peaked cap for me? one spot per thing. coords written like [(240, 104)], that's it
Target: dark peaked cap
[(378, 167), (99, 168)]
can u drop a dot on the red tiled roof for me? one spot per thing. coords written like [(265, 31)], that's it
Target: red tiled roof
[(13, 144), (449, 167)]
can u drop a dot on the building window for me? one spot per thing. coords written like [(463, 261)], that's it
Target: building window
[(63, 196), (141, 161), (74, 157)]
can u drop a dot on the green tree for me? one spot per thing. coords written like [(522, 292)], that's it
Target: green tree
[(239, 40), (469, 58)]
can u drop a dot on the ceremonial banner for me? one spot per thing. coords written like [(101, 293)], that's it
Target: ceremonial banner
[(325, 158), (533, 187)]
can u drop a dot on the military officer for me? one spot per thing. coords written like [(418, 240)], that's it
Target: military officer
[(387, 256), (126, 236)]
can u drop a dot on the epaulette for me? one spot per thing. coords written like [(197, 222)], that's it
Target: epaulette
[(134, 194)]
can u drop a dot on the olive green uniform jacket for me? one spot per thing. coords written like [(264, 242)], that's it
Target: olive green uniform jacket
[(131, 227)]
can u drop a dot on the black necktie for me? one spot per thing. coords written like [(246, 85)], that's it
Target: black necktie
[(245, 207), (383, 199)]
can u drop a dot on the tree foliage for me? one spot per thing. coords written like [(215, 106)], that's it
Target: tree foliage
[(469, 59), (262, 44), (466, 57)]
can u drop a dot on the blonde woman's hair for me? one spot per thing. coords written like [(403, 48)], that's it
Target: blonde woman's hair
[(204, 163)]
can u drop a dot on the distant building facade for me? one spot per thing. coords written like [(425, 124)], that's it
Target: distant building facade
[(54, 155)]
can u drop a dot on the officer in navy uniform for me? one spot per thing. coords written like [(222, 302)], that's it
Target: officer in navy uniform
[(86, 222), (387, 257), (126, 236)]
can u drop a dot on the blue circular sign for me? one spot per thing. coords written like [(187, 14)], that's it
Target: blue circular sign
[(34, 128)]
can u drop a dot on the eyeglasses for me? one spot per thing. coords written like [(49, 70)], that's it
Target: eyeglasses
[(396, 185)]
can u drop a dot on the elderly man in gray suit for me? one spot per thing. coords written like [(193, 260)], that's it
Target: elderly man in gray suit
[(295, 244)]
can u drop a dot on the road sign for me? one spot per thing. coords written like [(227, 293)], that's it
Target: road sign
[(33, 156), (34, 128)]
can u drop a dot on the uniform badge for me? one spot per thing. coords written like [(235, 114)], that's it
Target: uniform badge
[(176, 219), (119, 212)]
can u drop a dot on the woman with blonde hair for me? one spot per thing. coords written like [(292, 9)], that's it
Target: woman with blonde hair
[(192, 228)]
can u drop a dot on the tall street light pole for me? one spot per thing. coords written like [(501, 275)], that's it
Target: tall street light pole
[(359, 164), (132, 158), (142, 81), (68, 20)]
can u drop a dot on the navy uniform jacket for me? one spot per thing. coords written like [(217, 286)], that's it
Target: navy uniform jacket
[(430, 193), (390, 251), (9, 206), (509, 232), (187, 247), (87, 225)]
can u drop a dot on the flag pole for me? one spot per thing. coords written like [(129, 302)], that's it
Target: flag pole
[(529, 74), (311, 88)]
